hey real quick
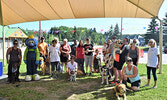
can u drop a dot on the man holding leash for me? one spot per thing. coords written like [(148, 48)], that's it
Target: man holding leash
[(43, 48), (15, 57)]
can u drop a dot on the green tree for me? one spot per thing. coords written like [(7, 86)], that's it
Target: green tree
[(152, 33), (164, 30), (116, 31)]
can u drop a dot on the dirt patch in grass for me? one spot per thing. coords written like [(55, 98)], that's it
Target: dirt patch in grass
[(71, 90)]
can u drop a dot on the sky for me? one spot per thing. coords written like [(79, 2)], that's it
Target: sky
[(129, 25)]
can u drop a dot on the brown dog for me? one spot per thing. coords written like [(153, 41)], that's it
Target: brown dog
[(45, 66), (79, 72), (120, 90)]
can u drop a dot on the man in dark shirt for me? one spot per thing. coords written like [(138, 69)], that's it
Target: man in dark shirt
[(124, 50), (73, 48)]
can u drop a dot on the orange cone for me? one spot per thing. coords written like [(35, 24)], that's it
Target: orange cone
[(141, 53)]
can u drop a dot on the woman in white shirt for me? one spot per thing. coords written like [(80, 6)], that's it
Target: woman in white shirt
[(152, 62), (72, 65), (54, 54)]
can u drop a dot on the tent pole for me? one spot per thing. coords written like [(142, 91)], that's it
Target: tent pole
[(160, 45), (121, 27), (3, 45), (3, 32)]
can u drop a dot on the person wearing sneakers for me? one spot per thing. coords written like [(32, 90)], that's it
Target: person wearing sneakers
[(88, 50), (123, 52), (54, 55), (130, 74), (152, 62)]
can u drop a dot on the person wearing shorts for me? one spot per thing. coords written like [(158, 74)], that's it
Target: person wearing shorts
[(65, 50), (88, 50), (124, 50), (130, 74), (54, 52)]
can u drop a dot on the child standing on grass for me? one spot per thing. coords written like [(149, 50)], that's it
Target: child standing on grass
[(96, 61)]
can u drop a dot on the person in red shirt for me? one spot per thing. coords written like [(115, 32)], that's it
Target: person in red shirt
[(80, 56)]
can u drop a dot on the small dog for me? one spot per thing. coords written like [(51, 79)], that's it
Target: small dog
[(104, 74), (14, 72), (120, 90), (73, 75), (44, 65)]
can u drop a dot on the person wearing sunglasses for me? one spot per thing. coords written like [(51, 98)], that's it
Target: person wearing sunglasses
[(152, 62), (13, 55), (134, 52), (130, 74)]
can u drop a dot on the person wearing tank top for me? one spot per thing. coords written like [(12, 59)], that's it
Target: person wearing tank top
[(130, 74), (15, 57), (134, 52)]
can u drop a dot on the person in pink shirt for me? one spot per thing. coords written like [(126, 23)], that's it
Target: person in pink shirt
[(80, 56)]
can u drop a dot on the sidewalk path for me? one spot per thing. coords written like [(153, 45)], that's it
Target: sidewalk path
[(141, 60)]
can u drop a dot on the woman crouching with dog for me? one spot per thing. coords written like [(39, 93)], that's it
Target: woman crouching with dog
[(130, 74), (72, 68)]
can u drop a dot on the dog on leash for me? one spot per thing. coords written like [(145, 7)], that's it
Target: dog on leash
[(73, 75), (45, 66), (104, 74), (120, 90), (14, 72)]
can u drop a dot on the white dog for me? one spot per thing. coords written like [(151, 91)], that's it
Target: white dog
[(73, 75), (104, 74)]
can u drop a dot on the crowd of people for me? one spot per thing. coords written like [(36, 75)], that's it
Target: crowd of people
[(115, 54)]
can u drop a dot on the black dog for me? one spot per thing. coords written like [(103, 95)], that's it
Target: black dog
[(14, 72)]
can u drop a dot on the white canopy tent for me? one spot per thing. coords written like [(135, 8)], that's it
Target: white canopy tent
[(19, 11)]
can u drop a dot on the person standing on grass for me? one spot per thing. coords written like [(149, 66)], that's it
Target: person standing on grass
[(80, 56), (73, 48), (88, 50), (96, 61), (152, 62), (65, 50), (134, 52), (43, 48), (15, 57), (124, 50), (54, 53)]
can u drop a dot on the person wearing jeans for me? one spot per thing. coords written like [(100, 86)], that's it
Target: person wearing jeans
[(152, 62), (88, 50)]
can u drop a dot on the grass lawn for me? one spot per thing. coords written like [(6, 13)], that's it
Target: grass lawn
[(85, 88)]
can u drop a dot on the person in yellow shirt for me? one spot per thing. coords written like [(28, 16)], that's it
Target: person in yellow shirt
[(43, 48)]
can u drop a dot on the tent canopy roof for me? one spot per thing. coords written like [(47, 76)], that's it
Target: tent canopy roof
[(34, 10)]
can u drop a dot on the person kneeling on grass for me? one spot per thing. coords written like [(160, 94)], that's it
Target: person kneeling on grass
[(130, 75), (72, 68)]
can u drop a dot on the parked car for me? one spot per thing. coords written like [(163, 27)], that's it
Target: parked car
[(165, 49)]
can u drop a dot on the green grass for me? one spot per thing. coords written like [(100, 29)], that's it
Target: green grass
[(86, 88)]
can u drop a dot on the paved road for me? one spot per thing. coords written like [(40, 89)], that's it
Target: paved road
[(141, 60)]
